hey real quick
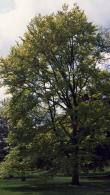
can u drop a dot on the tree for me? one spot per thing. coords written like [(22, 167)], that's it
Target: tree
[(51, 76), (3, 136)]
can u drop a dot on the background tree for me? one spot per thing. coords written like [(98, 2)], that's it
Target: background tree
[(4, 148)]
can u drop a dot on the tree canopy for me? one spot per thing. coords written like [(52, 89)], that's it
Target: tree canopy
[(59, 97)]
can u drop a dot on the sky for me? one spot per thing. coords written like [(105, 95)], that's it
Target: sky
[(15, 15)]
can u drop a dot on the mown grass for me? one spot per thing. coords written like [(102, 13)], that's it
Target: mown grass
[(55, 186)]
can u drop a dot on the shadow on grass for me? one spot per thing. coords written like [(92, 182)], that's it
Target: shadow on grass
[(88, 186)]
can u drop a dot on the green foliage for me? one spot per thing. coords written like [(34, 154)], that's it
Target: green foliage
[(57, 89)]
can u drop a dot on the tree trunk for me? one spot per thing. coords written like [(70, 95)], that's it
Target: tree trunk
[(75, 168), (23, 178), (75, 142)]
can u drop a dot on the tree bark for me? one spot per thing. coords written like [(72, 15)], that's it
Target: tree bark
[(75, 142), (75, 167), (23, 178)]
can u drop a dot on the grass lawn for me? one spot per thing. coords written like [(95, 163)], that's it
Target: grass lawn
[(56, 186)]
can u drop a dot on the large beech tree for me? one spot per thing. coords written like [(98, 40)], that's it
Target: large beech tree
[(52, 77)]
